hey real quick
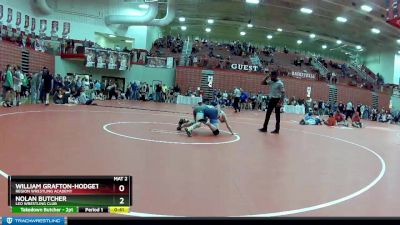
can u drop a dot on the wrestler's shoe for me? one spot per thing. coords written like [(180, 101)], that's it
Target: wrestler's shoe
[(188, 132), (179, 128)]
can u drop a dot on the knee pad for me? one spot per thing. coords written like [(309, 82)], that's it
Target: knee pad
[(216, 132)]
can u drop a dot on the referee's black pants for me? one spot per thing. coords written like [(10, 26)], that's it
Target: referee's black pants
[(273, 104), (236, 104)]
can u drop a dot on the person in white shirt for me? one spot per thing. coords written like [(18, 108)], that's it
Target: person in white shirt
[(18, 78), (349, 110), (237, 93)]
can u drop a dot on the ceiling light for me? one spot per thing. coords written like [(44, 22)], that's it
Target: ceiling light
[(299, 42), (312, 35), (375, 31), (279, 29), (128, 41), (242, 33), (339, 42), (341, 19), (253, 1), (398, 41), (143, 6), (347, 53), (210, 21), (112, 36), (182, 19), (358, 47), (366, 8), (269, 36), (249, 25), (398, 52), (208, 30), (183, 28), (306, 10), (324, 46)]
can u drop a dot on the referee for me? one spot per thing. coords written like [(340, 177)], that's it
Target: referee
[(276, 97)]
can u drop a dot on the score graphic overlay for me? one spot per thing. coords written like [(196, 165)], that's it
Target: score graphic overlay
[(57, 194)]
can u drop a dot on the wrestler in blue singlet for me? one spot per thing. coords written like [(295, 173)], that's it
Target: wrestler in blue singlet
[(212, 114)]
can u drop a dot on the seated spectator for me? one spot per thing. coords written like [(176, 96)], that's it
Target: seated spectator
[(356, 121), (341, 119), (331, 121), (83, 100), (310, 120)]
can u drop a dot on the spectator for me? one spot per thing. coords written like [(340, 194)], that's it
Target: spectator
[(340, 119), (8, 86), (331, 121), (237, 93), (356, 121), (349, 110), (83, 99), (35, 87)]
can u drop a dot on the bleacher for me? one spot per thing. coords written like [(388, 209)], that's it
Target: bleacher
[(213, 55)]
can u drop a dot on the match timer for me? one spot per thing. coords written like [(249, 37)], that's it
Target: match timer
[(70, 194)]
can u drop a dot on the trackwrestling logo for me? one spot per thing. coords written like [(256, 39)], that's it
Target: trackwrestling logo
[(34, 220)]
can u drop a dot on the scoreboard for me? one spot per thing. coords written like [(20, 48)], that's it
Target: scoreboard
[(76, 194)]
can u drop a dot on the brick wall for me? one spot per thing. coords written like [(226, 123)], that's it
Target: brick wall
[(226, 80), (384, 101), (11, 54), (188, 77), (37, 60), (356, 95)]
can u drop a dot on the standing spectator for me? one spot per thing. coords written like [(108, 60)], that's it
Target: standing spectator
[(276, 95), (18, 79), (8, 86), (349, 110), (158, 93), (341, 107), (112, 91), (164, 93), (35, 87), (134, 89), (237, 93), (47, 82)]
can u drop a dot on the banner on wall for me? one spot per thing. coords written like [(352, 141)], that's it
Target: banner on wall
[(33, 26), (308, 92), (170, 62), (156, 62), (9, 15), (123, 60), (101, 56), (112, 60), (19, 19), (54, 27), (66, 28), (210, 80), (26, 22), (90, 55), (43, 26), (303, 75), (1, 12), (244, 67), (393, 12), (135, 56)]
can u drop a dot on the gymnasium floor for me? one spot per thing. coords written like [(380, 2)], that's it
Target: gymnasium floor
[(304, 171)]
